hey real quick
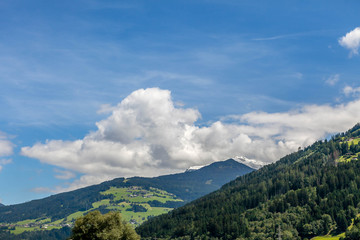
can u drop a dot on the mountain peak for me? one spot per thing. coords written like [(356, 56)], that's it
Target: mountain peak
[(248, 162), (194, 168), (229, 163)]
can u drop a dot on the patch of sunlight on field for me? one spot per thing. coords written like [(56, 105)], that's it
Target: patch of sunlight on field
[(140, 195), (75, 215), (105, 202), (19, 230)]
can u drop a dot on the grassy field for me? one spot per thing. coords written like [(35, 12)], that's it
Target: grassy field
[(337, 237), (139, 195), (350, 157), (355, 141), (120, 199)]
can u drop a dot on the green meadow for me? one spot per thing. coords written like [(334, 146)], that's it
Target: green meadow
[(119, 199)]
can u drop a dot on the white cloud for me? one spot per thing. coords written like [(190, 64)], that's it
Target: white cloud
[(351, 41), (6, 146), (351, 91), (4, 162), (41, 190), (6, 149), (63, 174), (333, 79), (105, 109), (147, 135), (298, 75)]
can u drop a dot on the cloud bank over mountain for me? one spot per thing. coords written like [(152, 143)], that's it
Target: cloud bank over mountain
[(147, 134)]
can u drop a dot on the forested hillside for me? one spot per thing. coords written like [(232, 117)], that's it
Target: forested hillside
[(307, 193)]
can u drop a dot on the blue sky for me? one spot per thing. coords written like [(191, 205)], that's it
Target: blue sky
[(93, 90)]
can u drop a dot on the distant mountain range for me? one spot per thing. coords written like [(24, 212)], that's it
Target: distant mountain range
[(312, 192), (138, 198)]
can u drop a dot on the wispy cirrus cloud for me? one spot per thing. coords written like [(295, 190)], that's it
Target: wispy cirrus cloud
[(41, 190), (63, 174), (289, 35), (169, 76), (275, 37), (351, 41), (333, 79), (4, 162), (147, 135)]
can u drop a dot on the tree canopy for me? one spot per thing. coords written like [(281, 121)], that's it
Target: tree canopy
[(95, 226)]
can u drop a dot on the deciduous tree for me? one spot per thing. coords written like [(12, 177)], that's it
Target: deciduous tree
[(95, 226)]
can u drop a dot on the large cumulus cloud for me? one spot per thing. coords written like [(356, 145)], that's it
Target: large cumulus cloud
[(146, 134), (351, 41)]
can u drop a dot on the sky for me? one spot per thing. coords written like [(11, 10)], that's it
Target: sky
[(98, 89)]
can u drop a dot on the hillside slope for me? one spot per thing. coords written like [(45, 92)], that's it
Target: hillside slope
[(194, 184), (304, 194)]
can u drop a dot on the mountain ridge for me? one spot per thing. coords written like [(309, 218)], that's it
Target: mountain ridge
[(168, 189)]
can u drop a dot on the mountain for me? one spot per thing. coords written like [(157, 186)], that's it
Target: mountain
[(194, 168), (308, 193), (191, 185), (2, 205), (137, 198), (249, 162)]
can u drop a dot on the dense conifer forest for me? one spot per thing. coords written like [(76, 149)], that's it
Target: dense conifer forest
[(307, 193)]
